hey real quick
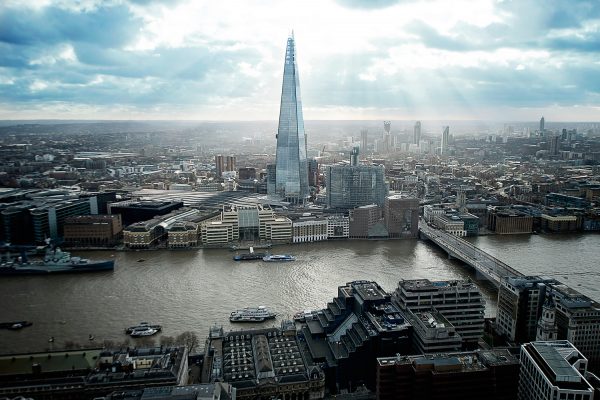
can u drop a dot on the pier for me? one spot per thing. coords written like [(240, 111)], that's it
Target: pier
[(486, 265)]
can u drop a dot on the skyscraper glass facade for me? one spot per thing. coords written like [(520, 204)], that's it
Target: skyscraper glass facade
[(355, 186), (291, 164)]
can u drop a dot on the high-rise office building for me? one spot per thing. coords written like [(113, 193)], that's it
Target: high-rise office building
[(387, 138), (313, 172), (230, 163), (537, 308), (542, 124), (445, 140), (364, 136), (291, 164), (355, 186), (354, 156), (219, 165), (417, 133), (553, 370), (520, 301), (271, 178), (553, 144)]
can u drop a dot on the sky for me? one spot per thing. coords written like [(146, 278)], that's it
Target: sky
[(495, 60)]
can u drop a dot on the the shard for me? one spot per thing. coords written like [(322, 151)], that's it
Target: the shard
[(291, 182)]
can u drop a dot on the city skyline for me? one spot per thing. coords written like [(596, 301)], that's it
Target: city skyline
[(409, 60)]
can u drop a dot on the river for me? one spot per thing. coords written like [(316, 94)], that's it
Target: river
[(193, 290)]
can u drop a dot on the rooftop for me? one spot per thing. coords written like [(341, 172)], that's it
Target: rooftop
[(471, 361), (426, 284), (556, 360), (368, 290)]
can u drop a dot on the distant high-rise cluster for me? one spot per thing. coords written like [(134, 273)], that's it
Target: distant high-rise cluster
[(291, 173)]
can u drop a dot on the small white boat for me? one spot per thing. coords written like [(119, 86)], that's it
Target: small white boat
[(143, 331)]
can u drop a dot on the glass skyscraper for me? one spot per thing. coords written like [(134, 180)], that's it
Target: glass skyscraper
[(291, 174), (355, 186)]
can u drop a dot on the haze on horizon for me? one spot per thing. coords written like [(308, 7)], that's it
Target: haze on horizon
[(358, 59)]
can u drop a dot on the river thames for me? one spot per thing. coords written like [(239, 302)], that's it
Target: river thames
[(192, 290)]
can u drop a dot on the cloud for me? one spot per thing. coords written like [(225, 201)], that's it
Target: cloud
[(156, 56), (110, 26), (368, 4)]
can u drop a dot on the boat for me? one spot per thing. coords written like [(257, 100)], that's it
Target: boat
[(54, 261), (252, 314), (143, 332), (302, 316), (249, 256), (15, 325), (142, 326), (278, 257)]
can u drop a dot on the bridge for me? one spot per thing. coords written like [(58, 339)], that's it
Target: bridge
[(486, 265)]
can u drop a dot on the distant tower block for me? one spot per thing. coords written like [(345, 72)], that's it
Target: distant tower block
[(445, 140), (364, 137), (387, 126), (354, 156), (417, 133), (542, 124)]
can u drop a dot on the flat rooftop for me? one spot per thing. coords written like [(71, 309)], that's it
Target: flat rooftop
[(470, 361), (551, 357), (21, 364), (369, 290), (426, 284)]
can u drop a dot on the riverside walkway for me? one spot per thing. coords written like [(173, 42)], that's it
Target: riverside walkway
[(486, 265)]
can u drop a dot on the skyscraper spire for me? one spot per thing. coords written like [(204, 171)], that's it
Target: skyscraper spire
[(291, 165)]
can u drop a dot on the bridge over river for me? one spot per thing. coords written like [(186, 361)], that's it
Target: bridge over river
[(486, 265)]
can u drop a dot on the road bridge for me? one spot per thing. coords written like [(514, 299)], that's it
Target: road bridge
[(486, 265)]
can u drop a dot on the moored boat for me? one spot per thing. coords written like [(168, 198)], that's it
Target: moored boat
[(302, 316), (55, 261), (252, 314), (249, 256), (278, 257)]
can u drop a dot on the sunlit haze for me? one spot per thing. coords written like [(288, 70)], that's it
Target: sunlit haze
[(358, 59)]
